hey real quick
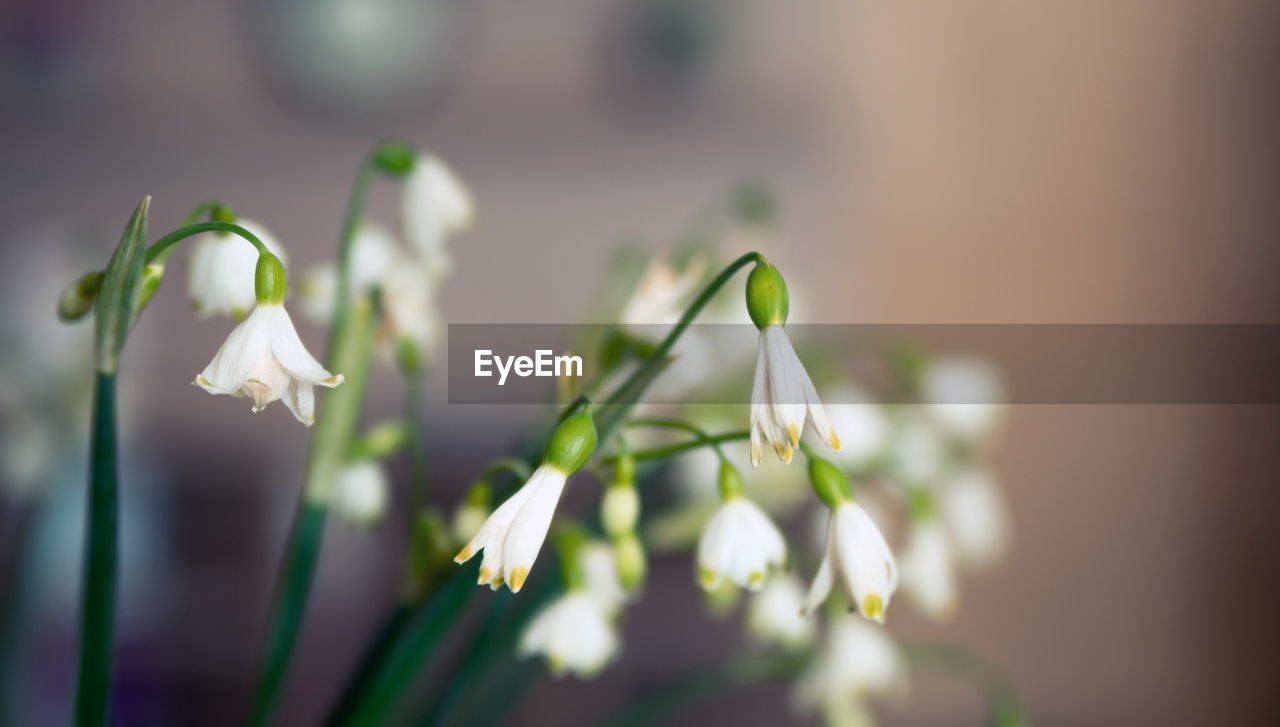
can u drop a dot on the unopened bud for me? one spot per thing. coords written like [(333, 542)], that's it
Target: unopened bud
[(631, 561), (573, 442), (829, 483), (77, 299), (620, 509), (767, 300), (269, 279)]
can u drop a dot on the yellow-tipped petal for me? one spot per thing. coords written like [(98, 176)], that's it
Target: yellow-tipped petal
[(518, 576), (333, 381), (755, 579), (463, 555), (708, 578), (755, 454), (834, 441), (873, 607), (496, 583), (793, 435), (485, 573)]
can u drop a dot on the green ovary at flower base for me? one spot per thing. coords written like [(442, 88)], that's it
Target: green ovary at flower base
[(514, 533)]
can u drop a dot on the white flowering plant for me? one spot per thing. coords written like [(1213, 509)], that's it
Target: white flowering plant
[(379, 298)]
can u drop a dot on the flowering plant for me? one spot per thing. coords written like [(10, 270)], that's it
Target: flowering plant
[(379, 298)]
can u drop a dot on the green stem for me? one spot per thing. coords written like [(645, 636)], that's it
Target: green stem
[(710, 440), (93, 688), (516, 466), (159, 247), (333, 433), (629, 391), (415, 422), (350, 224), (678, 425)]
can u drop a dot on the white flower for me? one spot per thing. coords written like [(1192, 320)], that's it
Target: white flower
[(436, 204), (409, 305), (928, 572), (574, 633), (781, 397), (739, 544), (360, 495), (856, 660), (918, 454), (660, 296), (976, 516), (264, 359), (859, 556), (775, 613), (861, 426), (373, 253), (600, 576), (221, 271), (964, 395), (513, 534)]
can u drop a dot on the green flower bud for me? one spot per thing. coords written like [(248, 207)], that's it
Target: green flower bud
[(730, 481), (395, 158), (624, 470), (767, 301), (77, 299), (631, 561), (573, 442), (269, 279), (381, 440), (920, 504), (829, 483), (222, 213), (620, 509)]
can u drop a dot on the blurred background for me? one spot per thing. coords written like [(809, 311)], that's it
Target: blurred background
[(937, 162)]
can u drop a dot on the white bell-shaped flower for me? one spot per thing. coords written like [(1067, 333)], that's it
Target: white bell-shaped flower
[(221, 271), (774, 615), (575, 633), (928, 569), (513, 535), (856, 660), (739, 544), (360, 493), (782, 396), (410, 308), (976, 516), (373, 253), (965, 396), (858, 555), (264, 359), (436, 204), (600, 575)]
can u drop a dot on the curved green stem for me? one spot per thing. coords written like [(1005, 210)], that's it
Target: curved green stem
[(678, 425), (159, 247), (350, 224), (516, 466), (629, 391), (198, 211), (93, 685), (711, 440)]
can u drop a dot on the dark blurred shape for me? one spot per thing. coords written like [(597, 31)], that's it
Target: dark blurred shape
[(356, 62), (656, 51), (38, 40)]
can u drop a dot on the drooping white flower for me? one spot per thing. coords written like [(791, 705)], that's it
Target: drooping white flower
[(918, 453), (861, 426), (660, 296), (360, 493), (775, 613), (856, 660), (928, 569), (600, 576), (373, 253), (264, 359), (575, 633), (739, 544), (964, 395), (514, 533), (409, 306), (221, 271), (976, 516), (781, 398), (436, 204), (858, 555)]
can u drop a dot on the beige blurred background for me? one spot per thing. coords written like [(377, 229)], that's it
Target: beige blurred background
[(978, 161)]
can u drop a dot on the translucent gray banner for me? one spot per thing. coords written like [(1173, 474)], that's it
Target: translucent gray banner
[(1036, 363)]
